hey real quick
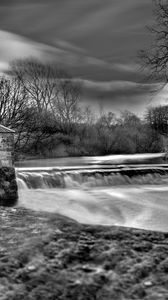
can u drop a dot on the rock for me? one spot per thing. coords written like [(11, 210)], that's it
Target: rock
[(31, 268), (67, 260), (8, 186), (148, 283)]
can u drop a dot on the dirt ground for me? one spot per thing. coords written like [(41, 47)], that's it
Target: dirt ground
[(48, 257)]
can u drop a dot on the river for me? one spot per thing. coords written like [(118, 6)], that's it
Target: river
[(124, 190)]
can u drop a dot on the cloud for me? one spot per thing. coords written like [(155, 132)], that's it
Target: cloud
[(127, 67), (161, 97), (120, 87), (115, 94), (86, 35), (105, 14), (4, 67), (121, 95), (65, 54), (62, 44), (13, 46), (95, 40)]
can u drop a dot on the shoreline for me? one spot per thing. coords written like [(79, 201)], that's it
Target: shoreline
[(48, 256)]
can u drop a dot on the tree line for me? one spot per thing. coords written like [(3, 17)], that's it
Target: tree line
[(42, 104)]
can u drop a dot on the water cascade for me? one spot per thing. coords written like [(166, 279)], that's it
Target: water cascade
[(133, 195), (45, 178)]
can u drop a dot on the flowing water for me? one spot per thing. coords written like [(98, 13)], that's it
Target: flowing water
[(112, 190)]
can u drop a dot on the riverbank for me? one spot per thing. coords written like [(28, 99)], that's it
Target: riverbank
[(47, 256)]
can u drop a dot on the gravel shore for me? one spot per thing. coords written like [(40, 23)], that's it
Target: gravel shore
[(45, 256)]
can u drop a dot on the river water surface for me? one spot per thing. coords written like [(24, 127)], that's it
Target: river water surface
[(125, 190)]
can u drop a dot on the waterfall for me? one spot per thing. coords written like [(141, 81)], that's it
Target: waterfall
[(46, 178), (125, 195)]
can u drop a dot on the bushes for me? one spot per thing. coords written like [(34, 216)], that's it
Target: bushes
[(124, 141), (98, 139)]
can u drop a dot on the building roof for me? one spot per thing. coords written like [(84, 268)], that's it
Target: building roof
[(4, 129)]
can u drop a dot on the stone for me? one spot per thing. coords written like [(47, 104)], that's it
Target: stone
[(31, 268), (148, 283), (8, 186)]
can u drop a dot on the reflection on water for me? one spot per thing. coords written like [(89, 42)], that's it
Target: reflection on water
[(94, 160), (132, 195)]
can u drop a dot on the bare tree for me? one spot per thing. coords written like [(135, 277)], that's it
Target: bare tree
[(39, 80), (13, 101), (66, 105), (156, 57), (25, 98), (129, 119), (108, 120), (49, 91), (38, 100), (14, 109)]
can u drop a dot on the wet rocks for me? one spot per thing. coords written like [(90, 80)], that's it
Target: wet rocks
[(8, 186), (53, 257)]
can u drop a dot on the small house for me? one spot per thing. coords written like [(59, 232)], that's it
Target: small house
[(6, 146)]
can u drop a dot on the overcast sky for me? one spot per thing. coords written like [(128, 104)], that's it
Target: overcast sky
[(96, 40)]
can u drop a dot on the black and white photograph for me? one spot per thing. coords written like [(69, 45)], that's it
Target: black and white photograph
[(83, 149)]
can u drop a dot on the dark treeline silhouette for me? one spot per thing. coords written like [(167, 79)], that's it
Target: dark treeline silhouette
[(42, 104)]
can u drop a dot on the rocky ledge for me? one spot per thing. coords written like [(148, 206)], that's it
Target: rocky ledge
[(8, 186), (48, 257)]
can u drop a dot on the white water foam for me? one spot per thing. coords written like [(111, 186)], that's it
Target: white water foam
[(131, 196), (135, 206)]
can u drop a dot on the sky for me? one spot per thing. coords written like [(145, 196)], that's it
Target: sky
[(96, 41)]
